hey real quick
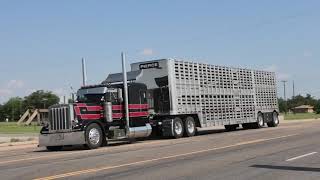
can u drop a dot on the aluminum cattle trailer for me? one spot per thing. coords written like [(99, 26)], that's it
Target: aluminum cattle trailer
[(203, 95)]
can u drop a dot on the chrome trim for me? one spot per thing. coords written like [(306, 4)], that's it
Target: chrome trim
[(108, 111), (138, 132), (60, 118), (62, 139)]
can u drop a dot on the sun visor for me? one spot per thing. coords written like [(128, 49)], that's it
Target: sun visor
[(118, 77)]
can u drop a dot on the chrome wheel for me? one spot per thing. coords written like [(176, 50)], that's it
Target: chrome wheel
[(94, 136), (260, 120), (275, 118), (178, 127), (190, 126)]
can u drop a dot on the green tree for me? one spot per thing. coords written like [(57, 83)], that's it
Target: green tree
[(317, 107), (41, 99), (301, 100), (12, 109), (2, 115), (296, 101), (283, 106)]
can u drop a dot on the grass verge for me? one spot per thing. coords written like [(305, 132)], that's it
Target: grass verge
[(301, 116), (13, 128)]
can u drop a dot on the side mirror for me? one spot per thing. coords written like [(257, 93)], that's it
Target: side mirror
[(120, 95)]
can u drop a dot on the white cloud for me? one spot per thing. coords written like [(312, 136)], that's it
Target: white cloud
[(5, 92), (147, 52), (271, 68), (60, 91), (280, 75), (307, 53), (30, 91), (15, 84)]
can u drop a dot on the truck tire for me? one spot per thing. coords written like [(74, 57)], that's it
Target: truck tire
[(178, 128), (231, 127), (94, 136), (275, 120), (260, 121), (54, 148), (189, 127)]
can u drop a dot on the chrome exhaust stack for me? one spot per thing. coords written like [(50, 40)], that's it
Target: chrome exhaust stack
[(131, 132), (84, 72), (108, 111)]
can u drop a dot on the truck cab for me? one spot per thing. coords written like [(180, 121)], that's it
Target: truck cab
[(97, 115)]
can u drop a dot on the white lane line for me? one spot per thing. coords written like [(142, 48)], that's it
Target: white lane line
[(298, 157)]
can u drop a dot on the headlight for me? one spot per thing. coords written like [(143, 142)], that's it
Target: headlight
[(75, 122), (45, 123)]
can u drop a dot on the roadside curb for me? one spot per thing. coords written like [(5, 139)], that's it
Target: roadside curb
[(10, 144)]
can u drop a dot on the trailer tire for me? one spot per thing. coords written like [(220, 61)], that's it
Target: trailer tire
[(94, 136), (275, 120), (260, 121), (54, 148), (231, 127), (178, 128), (190, 126)]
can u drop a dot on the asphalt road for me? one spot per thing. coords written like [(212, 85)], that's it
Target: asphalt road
[(290, 151)]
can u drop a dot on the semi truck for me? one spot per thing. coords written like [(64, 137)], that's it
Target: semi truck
[(169, 97)]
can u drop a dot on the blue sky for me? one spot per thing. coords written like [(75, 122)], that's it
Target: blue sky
[(42, 42)]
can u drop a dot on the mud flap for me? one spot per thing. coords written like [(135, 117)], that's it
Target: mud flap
[(167, 128)]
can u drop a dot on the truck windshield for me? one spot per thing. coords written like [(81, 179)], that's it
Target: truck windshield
[(91, 95), (90, 98)]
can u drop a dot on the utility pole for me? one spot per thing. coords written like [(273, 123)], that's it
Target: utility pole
[(284, 89), (12, 113), (284, 95), (44, 102), (293, 90)]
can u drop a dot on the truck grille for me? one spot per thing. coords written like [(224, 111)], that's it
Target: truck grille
[(60, 118)]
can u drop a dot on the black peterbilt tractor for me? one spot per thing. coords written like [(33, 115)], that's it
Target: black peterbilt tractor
[(99, 113)]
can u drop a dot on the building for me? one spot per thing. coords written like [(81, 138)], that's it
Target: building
[(303, 109)]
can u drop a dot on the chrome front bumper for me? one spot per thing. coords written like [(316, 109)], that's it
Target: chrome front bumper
[(62, 139)]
